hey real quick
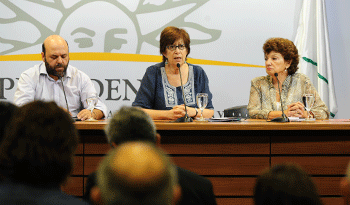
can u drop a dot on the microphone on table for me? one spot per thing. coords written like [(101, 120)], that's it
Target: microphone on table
[(304, 101), (185, 118), (283, 118), (64, 92)]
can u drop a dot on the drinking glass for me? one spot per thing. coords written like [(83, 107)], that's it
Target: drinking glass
[(309, 102), (91, 101), (202, 101)]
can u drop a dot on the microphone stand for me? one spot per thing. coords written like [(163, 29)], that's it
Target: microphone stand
[(64, 92), (185, 118), (283, 118)]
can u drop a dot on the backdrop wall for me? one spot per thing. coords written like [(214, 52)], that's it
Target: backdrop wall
[(339, 38), (227, 33)]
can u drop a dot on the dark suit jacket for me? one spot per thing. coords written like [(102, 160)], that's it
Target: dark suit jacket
[(15, 193), (195, 189)]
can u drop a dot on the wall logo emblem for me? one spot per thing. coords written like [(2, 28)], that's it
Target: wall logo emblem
[(111, 26)]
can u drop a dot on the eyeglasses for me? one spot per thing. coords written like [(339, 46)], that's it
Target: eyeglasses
[(173, 47)]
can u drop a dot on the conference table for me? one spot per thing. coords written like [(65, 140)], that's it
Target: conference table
[(232, 154)]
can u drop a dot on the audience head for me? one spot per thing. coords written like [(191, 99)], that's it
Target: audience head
[(285, 184), (130, 124), (6, 111), (39, 145), (171, 34), (136, 173), (286, 48)]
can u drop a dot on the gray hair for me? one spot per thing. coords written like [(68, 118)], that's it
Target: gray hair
[(130, 124)]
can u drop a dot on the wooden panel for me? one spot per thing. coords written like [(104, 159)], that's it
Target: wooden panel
[(245, 186), (317, 165), (79, 149), (73, 186), (328, 185), (208, 142), (250, 201), (310, 145), (91, 164), (250, 124), (223, 165), (98, 148), (93, 136), (78, 166), (95, 141), (235, 201), (233, 145), (85, 125), (213, 137), (216, 148), (254, 124), (206, 165), (224, 186), (332, 201), (85, 183)]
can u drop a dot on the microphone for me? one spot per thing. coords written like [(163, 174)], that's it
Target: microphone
[(185, 118), (304, 101), (283, 118), (64, 92)]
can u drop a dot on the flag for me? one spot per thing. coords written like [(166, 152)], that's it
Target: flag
[(313, 46)]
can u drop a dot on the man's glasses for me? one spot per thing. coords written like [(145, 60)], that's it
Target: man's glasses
[(173, 47)]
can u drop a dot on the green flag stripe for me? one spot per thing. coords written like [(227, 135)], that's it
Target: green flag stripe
[(319, 75), (310, 61), (332, 114), (323, 78), (315, 64)]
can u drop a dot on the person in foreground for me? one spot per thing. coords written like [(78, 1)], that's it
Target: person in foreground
[(281, 57), (36, 155), (43, 82), (285, 184), (131, 124), (6, 112), (160, 93), (345, 187), (136, 173)]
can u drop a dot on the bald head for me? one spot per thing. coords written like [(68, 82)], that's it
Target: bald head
[(56, 38), (54, 41), (139, 164), (137, 173)]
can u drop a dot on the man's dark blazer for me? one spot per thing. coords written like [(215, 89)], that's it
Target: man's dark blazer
[(195, 189), (16, 193)]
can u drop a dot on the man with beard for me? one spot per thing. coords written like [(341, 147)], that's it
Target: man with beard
[(55, 80)]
